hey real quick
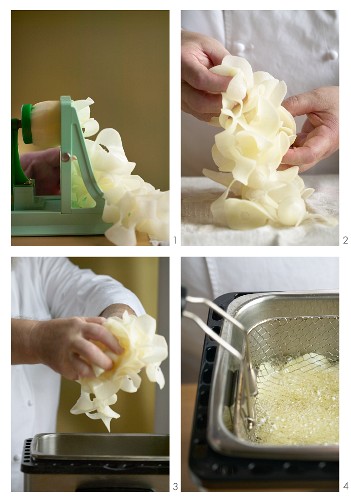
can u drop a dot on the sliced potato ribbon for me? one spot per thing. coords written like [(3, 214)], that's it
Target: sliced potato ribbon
[(143, 349), (257, 133), (131, 204)]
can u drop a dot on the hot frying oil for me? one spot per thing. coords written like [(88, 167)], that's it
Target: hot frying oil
[(298, 402)]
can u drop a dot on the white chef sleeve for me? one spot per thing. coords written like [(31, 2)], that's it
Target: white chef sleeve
[(71, 291)]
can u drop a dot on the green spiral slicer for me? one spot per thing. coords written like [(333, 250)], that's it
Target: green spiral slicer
[(34, 215)]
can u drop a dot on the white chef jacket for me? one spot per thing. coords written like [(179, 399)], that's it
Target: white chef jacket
[(299, 47), (42, 289), (211, 277)]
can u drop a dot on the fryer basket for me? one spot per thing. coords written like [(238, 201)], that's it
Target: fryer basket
[(218, 459), (279, 325)]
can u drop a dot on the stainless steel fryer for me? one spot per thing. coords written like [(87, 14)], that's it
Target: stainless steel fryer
[(96, 462), (278, 325)]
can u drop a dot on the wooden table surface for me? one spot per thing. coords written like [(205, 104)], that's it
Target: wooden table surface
[(91, 240)]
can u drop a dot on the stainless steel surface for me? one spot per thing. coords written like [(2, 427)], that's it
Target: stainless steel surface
[(112, 447), (248, 373), (278, 324)]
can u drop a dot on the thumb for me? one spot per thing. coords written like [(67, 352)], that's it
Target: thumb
[(200, 78), (216, 52), (301, 104)]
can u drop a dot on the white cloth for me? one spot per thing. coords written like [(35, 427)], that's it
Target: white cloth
[(42, 289), (197, 228), (299, 47), (211, 277)]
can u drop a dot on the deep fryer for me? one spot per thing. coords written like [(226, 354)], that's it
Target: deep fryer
[(96, 462), (223, 459)]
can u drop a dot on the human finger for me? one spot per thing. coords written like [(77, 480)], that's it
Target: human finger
[(201, 102), (53, 157), (199, 77), (95, 319), (302, 104), (300, 139), (307, 127), (313, 150), (80, 369), (91, 353), (97, 332)]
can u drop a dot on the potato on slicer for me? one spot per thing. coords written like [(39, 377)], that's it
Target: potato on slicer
[(50, 124)]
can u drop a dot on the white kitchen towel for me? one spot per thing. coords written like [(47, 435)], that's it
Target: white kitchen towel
[(198, 229)]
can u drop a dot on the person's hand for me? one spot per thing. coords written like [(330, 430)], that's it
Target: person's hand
[(201, 89), (68, 345), (44, 167), (319, 136)]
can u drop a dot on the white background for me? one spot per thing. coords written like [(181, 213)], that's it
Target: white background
[(175, 251)]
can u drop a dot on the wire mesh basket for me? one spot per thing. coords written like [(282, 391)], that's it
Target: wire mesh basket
[(294, 348)]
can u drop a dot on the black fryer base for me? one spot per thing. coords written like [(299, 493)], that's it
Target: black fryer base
[(122, 467), (213, 471)]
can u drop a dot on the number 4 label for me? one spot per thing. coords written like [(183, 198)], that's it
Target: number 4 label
[(346, 486)]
